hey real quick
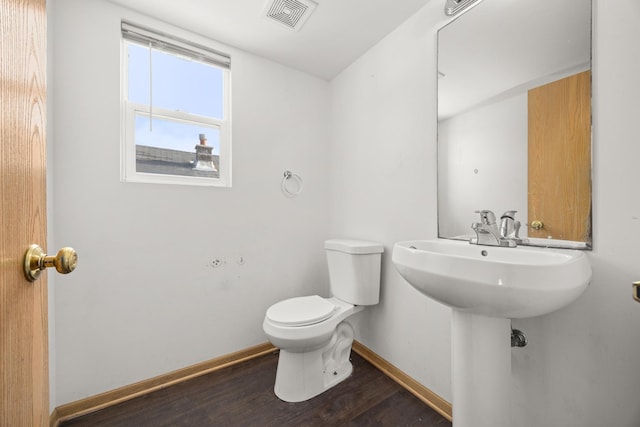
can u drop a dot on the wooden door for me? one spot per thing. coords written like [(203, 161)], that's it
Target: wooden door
[(560, 158), (24, 385)]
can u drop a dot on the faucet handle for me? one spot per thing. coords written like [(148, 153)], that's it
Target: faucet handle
[(509, 227), (509, 214), (516, 229), (487, 217)]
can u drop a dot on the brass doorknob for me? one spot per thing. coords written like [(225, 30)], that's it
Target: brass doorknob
[(537, 225), (636, 291), (35, 260)]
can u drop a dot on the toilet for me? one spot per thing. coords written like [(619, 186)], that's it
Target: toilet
[(313, 333)]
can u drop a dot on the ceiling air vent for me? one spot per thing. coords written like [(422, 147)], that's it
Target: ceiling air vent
[(290, 13)]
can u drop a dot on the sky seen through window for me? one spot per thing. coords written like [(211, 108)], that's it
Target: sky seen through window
[(179, 84)]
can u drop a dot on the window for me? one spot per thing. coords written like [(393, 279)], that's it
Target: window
[(176, 115)]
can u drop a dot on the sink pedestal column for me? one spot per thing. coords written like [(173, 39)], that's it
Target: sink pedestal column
[(480, 370)]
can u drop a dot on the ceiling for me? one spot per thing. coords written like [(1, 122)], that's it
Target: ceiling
[(335, 35)]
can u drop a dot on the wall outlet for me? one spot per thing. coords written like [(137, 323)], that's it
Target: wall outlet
[(217, 262)]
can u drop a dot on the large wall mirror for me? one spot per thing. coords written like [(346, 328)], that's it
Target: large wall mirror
[(514, 119)]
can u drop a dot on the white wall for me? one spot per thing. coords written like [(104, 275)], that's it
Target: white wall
[(580, 368), (383, 112), (144, 300), (483, 165)]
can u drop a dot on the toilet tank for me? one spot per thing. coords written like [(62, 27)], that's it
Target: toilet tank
[(354, 270)]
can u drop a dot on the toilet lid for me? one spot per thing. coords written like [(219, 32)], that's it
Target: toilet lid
[(300, 311)]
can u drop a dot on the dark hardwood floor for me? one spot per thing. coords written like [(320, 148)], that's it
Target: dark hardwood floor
[(242, 395)]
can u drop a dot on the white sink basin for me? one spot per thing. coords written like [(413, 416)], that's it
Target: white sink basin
[(493, 281)]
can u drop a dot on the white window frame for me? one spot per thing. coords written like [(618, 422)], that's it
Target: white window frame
[(128, 144)]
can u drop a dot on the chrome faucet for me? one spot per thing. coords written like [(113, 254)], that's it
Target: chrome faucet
[(487, 232)]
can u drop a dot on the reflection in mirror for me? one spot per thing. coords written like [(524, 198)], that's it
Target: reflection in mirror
[(514, 119)]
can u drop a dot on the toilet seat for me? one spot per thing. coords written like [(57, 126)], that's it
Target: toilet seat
[(301, 311)]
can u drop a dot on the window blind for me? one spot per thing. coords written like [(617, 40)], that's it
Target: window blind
[(174, 45)]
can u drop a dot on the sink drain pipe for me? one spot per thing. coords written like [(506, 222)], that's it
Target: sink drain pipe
[(518, 338)]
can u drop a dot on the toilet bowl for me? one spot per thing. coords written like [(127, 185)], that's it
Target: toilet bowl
[(313, 333), (314, 355)]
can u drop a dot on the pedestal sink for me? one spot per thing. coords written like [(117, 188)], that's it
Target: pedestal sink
[(486, 286)]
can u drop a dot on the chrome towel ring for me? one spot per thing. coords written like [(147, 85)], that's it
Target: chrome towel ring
[(291, 190)]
